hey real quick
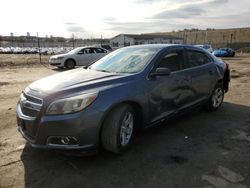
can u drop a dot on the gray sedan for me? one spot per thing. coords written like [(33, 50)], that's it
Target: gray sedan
[(133, 87)]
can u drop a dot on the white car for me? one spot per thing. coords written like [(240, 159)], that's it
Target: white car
[(81, 56)]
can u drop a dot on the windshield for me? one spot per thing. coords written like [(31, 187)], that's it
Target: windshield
[(74, 51), (125, 60)]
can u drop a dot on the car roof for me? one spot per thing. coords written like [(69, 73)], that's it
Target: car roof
[(163, 46)]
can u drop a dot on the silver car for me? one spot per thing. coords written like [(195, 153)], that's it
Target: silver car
[(81, 56)]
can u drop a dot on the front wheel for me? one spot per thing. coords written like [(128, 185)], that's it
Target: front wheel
[(216, 99), (118, 128), (70, 64)]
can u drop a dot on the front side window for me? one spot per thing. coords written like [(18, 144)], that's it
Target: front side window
[(172, 60), (81, 51), (89, 51), (196, 58)]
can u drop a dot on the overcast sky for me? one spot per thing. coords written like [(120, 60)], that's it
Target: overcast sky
[(93, 18)]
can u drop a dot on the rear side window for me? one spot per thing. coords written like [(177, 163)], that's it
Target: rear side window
[(172, 60), (196, 58), (99, 50)]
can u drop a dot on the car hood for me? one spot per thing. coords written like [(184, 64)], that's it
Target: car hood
[(59, 55), (73, 79)]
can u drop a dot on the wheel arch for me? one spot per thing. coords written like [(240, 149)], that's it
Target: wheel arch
[(139, 115), (70, 58)]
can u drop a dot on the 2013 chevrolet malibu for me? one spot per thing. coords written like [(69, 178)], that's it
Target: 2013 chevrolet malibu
[(132, 87)]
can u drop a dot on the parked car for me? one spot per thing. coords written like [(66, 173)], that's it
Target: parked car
[(224, 52), (81, 56), (207, 47), (132, 87)]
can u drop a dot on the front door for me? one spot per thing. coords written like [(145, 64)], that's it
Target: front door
[(167, 93), (84, 57)]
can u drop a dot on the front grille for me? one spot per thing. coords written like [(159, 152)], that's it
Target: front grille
[(33, 99), (30, 105), (29, 112)]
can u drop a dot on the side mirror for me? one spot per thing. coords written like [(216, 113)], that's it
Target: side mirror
[(161, 72), (85, 66)]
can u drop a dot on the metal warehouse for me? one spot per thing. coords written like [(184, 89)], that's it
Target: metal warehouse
[(122, 40)]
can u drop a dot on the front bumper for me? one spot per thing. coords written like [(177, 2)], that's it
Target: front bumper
[(50, 131), (55, 62)]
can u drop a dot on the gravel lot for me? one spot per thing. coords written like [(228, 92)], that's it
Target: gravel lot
[(199, 149)]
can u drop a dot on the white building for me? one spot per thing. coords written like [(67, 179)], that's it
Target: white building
[(129, 39)]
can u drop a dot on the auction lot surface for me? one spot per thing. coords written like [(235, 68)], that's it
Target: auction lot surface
[(199, 149)]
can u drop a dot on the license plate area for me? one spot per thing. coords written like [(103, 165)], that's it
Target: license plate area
[(26, 126), (20, 123)]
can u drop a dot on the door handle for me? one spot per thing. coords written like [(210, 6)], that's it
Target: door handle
[(211, 72), (187, 79)]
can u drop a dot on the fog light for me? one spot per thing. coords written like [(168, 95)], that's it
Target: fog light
[(62, 140), (65, 140)]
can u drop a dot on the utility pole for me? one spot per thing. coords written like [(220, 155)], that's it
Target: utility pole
[(39, 51), (231, 40), (206, 37), (196, 36), (124, 40), (73, 38)]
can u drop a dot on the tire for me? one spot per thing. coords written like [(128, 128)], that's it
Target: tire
[(118, 128), (70, 64), (216, 98)]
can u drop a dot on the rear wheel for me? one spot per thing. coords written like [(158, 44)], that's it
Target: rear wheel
[(216, 99), (70, 64), (118, 128)]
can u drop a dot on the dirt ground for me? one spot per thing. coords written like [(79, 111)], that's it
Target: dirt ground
[(200, 149)]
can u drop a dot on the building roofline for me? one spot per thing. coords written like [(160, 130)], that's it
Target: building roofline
[(148, 36)]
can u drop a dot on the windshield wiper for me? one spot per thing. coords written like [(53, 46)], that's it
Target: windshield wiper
[(102, 70)]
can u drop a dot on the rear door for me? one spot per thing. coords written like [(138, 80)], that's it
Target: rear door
[(200, 71), (99, 53)]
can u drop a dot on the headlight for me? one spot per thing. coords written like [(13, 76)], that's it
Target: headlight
[(72, 104), (59, 58)]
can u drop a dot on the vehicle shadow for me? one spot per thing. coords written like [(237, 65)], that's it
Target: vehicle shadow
[(170, 155), (231, 58), (58, 69)]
